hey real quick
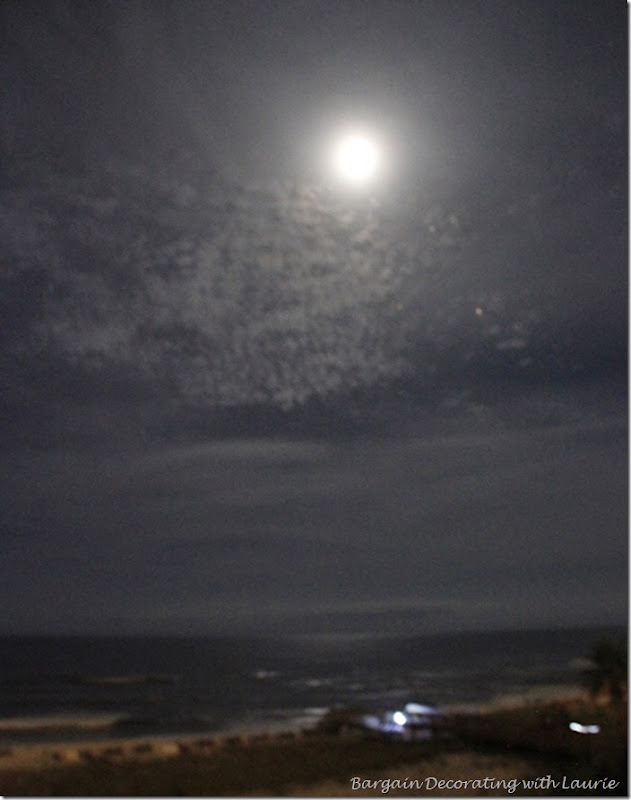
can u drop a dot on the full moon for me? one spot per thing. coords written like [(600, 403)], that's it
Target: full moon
[(357, 158)]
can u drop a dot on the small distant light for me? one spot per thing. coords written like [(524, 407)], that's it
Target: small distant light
[(478, 311), (578, 728), (399, 718)]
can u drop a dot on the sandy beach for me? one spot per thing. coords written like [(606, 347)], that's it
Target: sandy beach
[(521, 749)]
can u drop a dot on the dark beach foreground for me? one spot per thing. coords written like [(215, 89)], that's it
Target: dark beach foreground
[(527, 749)]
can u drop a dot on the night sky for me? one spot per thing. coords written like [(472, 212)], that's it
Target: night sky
[(247, 391)]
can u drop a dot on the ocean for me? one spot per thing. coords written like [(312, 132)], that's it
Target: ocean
[(65, 688)]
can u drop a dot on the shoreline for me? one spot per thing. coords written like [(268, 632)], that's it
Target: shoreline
[(28, 756), (71, 726), (528, 745)]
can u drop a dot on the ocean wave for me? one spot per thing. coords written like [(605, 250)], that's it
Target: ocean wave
[(59, 722), (126, 680), (136, 679), (67, 727)]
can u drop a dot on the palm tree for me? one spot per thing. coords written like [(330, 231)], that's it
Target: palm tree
[(607, 670)]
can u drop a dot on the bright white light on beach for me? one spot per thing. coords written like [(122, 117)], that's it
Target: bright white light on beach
[(399, 718), (578, 728), (357, 157)]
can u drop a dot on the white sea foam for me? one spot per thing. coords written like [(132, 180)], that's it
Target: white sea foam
[(60, 721)]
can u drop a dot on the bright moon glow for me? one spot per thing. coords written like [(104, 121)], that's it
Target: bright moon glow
[(357, 158)]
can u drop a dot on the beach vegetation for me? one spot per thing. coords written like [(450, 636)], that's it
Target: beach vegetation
[(606, 673)]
